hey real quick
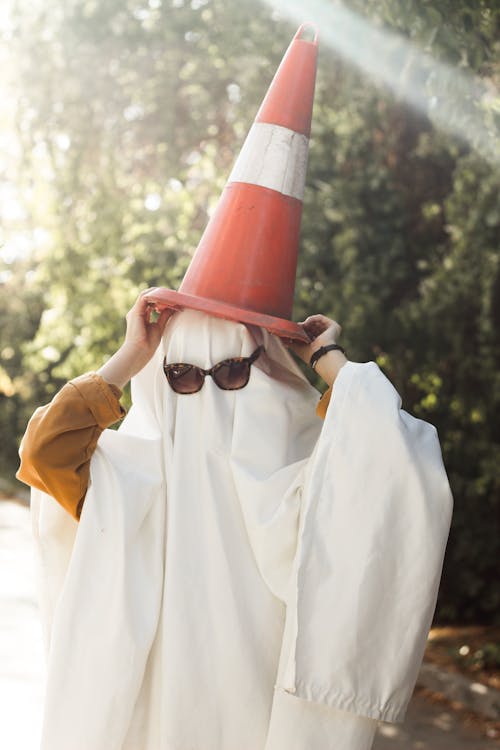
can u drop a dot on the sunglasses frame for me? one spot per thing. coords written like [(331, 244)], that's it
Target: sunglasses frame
[(248, 360)]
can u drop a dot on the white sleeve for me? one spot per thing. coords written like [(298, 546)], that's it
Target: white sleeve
[(375, 517)]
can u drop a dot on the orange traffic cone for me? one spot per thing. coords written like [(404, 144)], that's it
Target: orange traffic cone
[(245, 265)]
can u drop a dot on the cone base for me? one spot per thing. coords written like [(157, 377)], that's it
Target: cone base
[(176, 301)]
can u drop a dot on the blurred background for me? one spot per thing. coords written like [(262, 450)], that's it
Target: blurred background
[(119, 124)]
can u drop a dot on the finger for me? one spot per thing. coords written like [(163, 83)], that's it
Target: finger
[(316, 327), (142, 296), (316, 324), (141, 302), (304, 329), (317, 318), (143, 305), (165, 314)]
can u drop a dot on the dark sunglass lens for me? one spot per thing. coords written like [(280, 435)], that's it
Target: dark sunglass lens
[(185, 379), (232, 375)]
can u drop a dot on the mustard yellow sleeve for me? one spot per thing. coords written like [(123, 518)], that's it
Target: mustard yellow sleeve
[(61, 438), (323, 403)]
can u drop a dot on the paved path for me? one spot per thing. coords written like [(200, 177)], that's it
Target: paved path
[(21, 652), (431, 727), (427, 726)]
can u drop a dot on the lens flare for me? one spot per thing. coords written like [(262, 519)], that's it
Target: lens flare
[(456, 102)]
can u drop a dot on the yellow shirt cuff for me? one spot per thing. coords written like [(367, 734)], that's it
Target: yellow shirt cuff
[(323, 403), (101, 397)]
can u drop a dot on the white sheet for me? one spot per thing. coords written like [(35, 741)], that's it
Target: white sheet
[(222, 589)]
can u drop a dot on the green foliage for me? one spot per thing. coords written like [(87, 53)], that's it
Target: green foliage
[(129, 119), (485, 658)]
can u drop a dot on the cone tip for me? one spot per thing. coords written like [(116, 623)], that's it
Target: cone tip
[(304, 27)]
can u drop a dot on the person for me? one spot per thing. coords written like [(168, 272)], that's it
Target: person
[(226, 570), (47, 441)]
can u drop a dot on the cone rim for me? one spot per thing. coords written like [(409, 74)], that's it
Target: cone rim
[(177, 301)]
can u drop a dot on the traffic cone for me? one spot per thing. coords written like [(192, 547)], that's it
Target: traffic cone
[(245, 264)]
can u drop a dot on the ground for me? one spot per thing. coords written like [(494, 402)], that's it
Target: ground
[(434, 724), (431, 723), (471, 650)]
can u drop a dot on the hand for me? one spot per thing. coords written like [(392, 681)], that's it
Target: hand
[(141, 341), (142, 336), (321, 331)]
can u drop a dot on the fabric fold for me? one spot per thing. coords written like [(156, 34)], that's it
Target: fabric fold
[(104, 606), (375, 521), (297, 724)]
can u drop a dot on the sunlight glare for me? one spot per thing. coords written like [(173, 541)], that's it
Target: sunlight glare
[(458, 100)]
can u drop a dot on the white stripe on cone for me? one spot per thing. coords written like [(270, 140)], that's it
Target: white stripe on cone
[(273, 157)]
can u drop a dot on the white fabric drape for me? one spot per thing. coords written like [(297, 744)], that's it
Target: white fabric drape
[(233, 550), (375, 520)]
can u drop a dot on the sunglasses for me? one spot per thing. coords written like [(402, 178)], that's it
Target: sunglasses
[(230, 374)]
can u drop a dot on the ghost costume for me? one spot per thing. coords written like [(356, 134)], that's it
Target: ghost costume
[(243, 576)]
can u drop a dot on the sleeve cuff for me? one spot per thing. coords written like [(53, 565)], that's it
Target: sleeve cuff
[(102, 398)]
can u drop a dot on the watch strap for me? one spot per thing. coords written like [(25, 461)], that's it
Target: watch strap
[(323, 350)]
